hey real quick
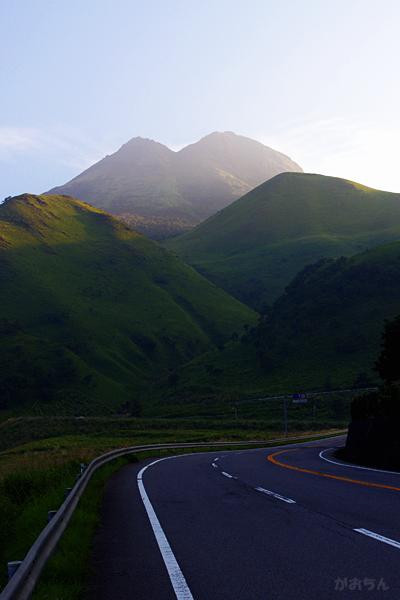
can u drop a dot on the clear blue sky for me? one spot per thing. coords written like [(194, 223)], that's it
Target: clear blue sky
[(318, 80)]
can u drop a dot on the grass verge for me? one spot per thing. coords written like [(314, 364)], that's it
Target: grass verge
[(65, 575)]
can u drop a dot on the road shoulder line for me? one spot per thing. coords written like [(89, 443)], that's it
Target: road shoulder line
[(176, 576), (377, 536), (349, 466)]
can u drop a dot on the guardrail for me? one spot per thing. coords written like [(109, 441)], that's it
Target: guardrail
[(23, 582), (312, 394)]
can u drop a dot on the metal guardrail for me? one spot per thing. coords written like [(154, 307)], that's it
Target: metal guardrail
[(23, 582), (314, 393)]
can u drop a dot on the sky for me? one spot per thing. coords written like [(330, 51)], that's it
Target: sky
[(315, 79)]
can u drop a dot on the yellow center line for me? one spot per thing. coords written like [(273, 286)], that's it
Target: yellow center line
[(272, 459)]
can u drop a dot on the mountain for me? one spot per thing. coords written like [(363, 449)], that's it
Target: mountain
[(147, 179), (255, 246), (324, 332), (93, 311)]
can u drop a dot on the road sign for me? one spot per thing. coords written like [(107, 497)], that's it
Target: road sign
[(299, 399)]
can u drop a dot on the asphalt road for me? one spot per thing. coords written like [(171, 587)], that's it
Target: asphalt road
[(277, 523)]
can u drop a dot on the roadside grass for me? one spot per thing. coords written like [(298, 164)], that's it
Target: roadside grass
[(65, 575), (26, 495), (35, 475), (233, 416)]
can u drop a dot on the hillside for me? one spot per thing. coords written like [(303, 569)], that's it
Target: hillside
[(323, 332), (330, 319), (147, 179), (255, 246), (91, 310)]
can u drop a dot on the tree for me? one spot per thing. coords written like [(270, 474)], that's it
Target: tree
[(388, 363), (173, 379)]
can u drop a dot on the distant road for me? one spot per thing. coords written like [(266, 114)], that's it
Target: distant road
[(276, 523)]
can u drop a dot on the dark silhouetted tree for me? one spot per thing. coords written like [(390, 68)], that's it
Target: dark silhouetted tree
[(173, 379), (388, 363)]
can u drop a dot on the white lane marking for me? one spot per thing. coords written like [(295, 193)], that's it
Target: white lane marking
[(275, 495), (378, 537), (340, 464), (215, 459), (176, 576), (227, 474), (214, 465)]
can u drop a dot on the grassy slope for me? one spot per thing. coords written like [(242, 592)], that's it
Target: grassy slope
[(323, 332), (254, 247), (91, 309)]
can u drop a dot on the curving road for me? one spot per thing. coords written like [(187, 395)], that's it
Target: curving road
[(288, 523)]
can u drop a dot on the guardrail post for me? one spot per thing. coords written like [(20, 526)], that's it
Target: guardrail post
[(12, 566), (50, 515)]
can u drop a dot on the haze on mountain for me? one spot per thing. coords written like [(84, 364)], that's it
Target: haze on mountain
[(161, 191), (254, 247), (323, 333), (93, 311)]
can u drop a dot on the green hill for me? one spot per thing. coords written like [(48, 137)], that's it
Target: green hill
[(254, 247), (165, 191), (92, 311), (323, 332)]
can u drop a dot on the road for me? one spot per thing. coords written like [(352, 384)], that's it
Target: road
[(276, 523)]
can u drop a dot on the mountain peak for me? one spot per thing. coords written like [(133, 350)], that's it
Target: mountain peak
[(221, 134), (139, 140), (142, 144), (148, 179)]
